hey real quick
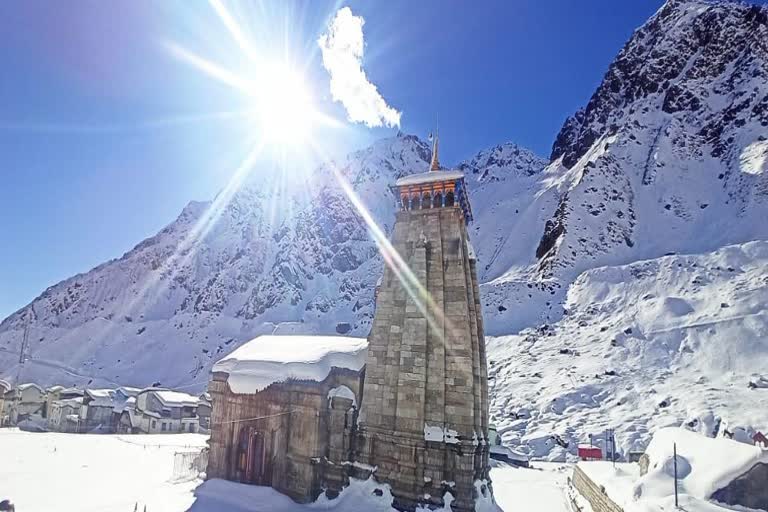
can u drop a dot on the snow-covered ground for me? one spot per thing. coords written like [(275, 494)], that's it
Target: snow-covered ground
[(704, 465), (42, 472), (671, 341)]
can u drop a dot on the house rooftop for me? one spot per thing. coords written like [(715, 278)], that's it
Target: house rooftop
[(269, 359), (101, 397), (176, 398), (23, 387)]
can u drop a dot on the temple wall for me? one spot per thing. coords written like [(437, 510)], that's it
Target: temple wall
[(299, 426)]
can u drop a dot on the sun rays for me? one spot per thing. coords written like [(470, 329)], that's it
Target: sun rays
[(280, 109)]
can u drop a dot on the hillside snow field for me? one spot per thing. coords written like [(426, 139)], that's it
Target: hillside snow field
[(673, 341)]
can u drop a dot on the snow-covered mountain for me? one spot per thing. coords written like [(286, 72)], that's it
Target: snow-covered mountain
[(272, 255), (669, 155), (668, 158)]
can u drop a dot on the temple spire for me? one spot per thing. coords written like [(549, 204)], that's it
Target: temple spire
[(435, 165)]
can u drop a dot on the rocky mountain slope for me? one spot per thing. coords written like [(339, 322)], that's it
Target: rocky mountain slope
[(669, 155), (665, 166)]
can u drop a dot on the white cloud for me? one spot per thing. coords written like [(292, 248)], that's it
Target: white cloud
[(342, 47)]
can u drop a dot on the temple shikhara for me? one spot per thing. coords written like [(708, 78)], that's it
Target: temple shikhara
[(408, 407)]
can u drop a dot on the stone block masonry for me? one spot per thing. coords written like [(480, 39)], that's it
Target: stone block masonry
[(593, 493), (424, 415)]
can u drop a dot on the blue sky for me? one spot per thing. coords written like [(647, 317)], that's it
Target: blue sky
[(105, 136)]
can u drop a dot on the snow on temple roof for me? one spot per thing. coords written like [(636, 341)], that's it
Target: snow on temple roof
[(429, 177), (268, 359)]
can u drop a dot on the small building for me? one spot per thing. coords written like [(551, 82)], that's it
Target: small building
[(98, 405), (64, 415), (589, 452), (122, 398), (160, 411), (128, 421), (204, 408), (27, 401), (67, 393), (5, 387), (760, 440), (284, 408), (52, 394)]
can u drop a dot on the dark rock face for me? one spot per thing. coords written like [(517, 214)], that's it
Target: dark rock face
[(750, 490)]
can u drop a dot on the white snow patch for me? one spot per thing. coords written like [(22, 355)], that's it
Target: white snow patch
[(342, 392), (754, 158), (440, 434), (268, 359), (704, 465)]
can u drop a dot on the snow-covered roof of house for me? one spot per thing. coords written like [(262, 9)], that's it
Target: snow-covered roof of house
[(429, 177), (129, 391), (101, 397), (69, 402), (72, 391), (176, 398), (55, 389), (4, 385), (127, 404), (269, 359), (23, 387)]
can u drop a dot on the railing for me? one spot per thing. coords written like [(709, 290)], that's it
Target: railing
[(189, 464)]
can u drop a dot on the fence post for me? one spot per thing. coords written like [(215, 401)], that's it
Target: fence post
[(674, 451)]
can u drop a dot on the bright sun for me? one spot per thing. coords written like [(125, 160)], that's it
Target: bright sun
[(284, 110)]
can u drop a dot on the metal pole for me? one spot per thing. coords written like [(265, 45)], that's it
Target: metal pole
[(674, 451)]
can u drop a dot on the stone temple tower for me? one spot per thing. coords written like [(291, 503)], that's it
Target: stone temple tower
[(423, 420)]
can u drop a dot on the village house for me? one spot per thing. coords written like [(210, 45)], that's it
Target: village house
[(128, 422), (98, 405), (103, 408), (5, 387), (52, 394), (164, 411), (204, 412), (123, 397), (27, 401), (64, 415)]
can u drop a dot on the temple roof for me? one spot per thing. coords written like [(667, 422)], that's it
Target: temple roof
[(429, 177), (269, 358)]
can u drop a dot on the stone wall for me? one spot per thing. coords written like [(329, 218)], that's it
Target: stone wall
[(593, 493), (303, 450), (426, 366)]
